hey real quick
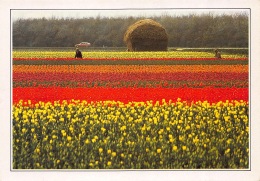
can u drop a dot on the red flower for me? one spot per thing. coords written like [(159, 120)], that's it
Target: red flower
[(129, 94)]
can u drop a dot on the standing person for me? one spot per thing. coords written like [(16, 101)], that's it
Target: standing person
[(78, 53), (217, 54)]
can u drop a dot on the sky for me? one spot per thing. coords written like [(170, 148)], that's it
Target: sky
[(26, 14)]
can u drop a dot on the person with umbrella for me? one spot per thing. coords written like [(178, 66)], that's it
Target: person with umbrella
[(78, 53)]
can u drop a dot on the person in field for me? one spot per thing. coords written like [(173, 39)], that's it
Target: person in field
[(217, 54), (78, 53)]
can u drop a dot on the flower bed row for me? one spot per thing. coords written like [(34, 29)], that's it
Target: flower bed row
[(132, 62), (133, 84), (129, 68), (142, 135), (129, 94), (112, 55), (204, 76), (132, 59)]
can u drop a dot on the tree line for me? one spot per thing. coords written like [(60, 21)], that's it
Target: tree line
[(192, 30)]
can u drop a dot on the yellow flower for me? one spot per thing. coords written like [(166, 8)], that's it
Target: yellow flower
[(174, 148), (103, 129), (143, 128), (109, 163), (227, 151), (87, 141), (95, 116), (161, 130), (45, 138), (187, 127), (184, 148), (71, 129), (226, 118), (109, 151), (64, 134), (113, 154), (69, 138), (159, 150), (147, 139), (229, 141), (100, 150), (155, 120)]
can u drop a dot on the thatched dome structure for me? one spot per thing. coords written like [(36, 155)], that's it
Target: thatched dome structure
[(146, 35)]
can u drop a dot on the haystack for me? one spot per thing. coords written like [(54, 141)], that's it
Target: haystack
[(146, 35)]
